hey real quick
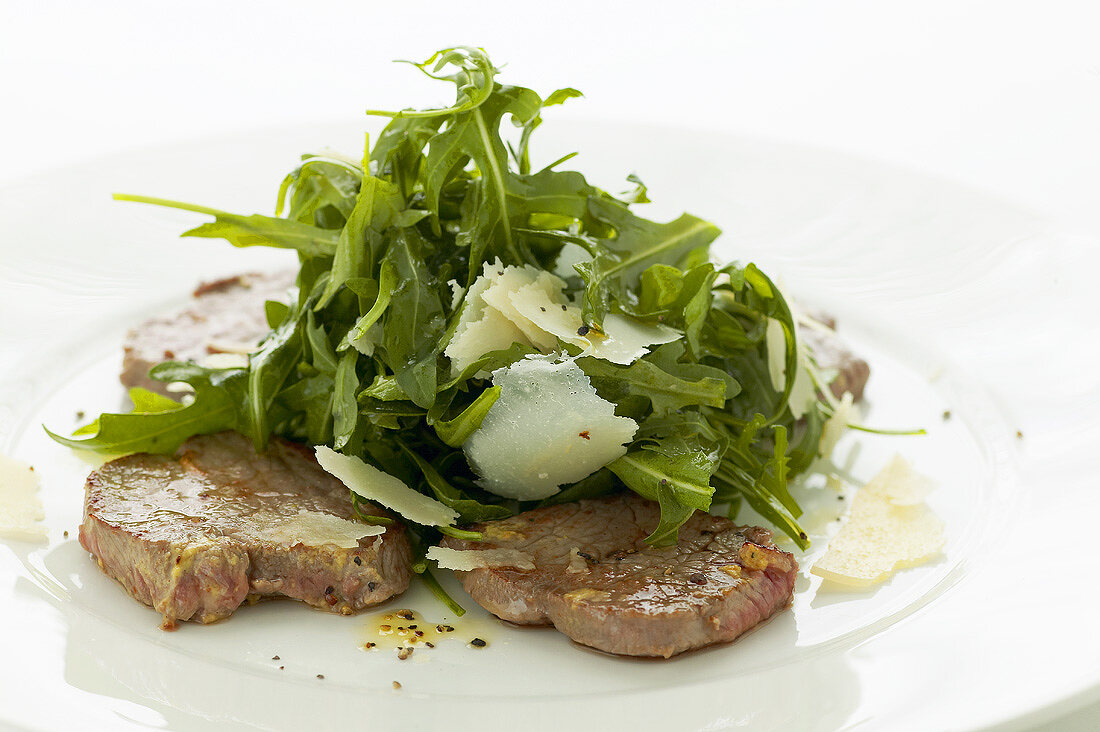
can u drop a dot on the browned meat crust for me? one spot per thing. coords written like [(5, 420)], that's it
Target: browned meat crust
[(598, 582), (186, 534), (225, 313)]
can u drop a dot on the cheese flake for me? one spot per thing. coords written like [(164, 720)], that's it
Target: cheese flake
[(628, 339), (470, 559), (315, 528), (570, 254), (835, 426), (803, 392), (531, 281), (370, 483), (20, 507), (889, 528), (507, 305), (548, 427), (776, 345)]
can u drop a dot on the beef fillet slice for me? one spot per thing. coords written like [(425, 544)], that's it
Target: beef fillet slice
[(830, 353), (191, 534), (597, 581), (226, 316)]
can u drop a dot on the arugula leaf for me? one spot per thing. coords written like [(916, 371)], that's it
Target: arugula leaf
[(384, 388), (468, 509), (681, 482), (320, 192), (275, 312), (674, 514), (311, 399), (251, 231), (638, 244), (219, 405), (387, 283), (600, 483), (268, 369), (642, 378), (474, 135), (378, 206), (473, 79), (456, 431), (323, 357), (144, 402), (412, 352), (345, 409)]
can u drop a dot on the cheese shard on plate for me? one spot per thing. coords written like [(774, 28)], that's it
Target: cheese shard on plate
[(20, 508), (889, 528), (548, 427)]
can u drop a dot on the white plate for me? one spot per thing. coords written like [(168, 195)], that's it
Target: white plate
[(960, 303)]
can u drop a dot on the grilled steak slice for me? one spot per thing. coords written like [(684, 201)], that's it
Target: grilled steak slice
[(831, 354), (597, 581), (225, 316), (196, 534)]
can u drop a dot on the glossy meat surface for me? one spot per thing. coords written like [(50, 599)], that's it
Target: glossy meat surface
[(597, 581), (226, 316), (195, 535)]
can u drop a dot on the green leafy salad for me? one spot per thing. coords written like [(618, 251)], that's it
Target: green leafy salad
[(471, 337)]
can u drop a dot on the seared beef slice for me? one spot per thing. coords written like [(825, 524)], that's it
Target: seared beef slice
[(224, 316), (192, 535), (597, 581), (832, 355)]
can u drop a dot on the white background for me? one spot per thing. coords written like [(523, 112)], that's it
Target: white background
[(1004, 96)]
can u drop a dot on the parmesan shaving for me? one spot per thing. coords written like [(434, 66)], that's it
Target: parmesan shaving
[(803, 393), (776, 345), (570, 255), (548, 427), (559, 319), (464, 561), (900, 484), (889, 528), (628, 339), (372, 484), (491, 332), (507, 305), (532, 283), (314, 528), (835, 426), (20, 508), (457, 291)]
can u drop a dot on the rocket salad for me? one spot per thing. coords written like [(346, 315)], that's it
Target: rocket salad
[(493, 337)]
